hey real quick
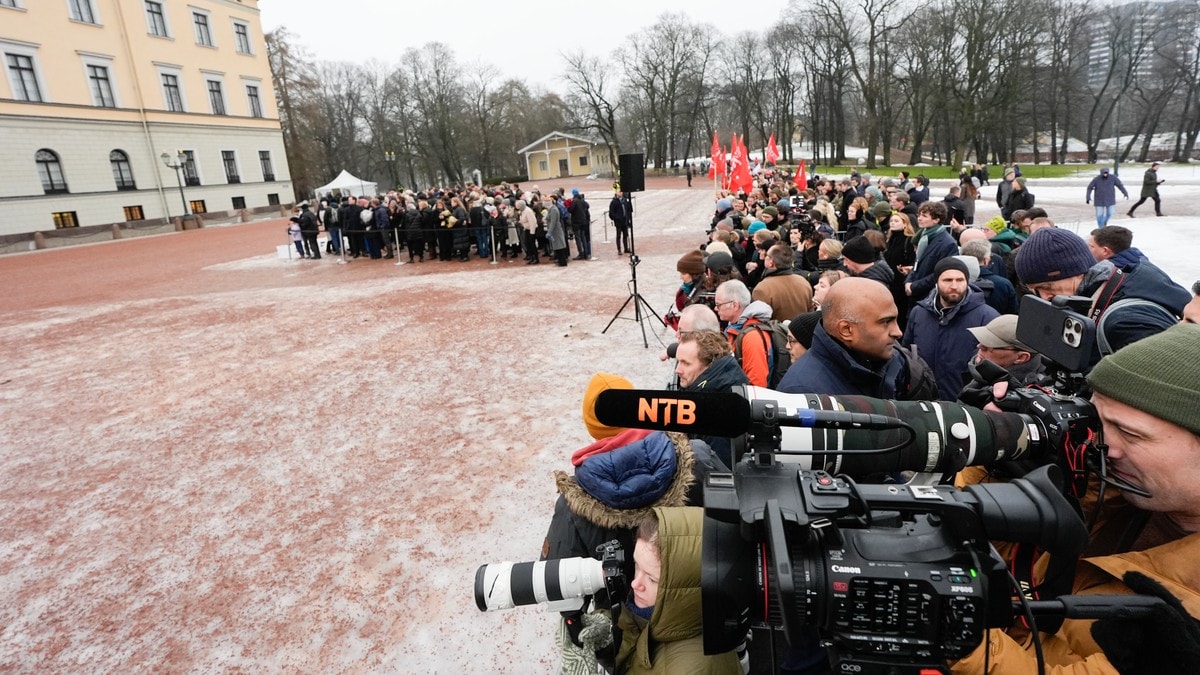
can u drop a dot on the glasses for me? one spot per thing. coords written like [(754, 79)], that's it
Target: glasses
[(984, 349), (719, 305), (792, 341)]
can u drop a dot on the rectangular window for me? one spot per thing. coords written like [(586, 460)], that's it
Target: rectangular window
[(8, 3), (172, 93), (542, 166), (198, 206), (24, 79), (134, 213), (239, 202), (241, 34), (102, 93), (229, 160), (273, 198), (255, 101), (81, 10), (190, 175), (156, 19), (63, 219), (216, 97), (583, 160), (203, 32), (264, 160)]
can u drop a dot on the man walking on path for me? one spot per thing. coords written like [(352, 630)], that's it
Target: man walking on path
[(1103, 189), (1150, 183)]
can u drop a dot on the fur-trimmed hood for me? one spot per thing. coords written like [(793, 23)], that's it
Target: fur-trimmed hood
[(628, 466)]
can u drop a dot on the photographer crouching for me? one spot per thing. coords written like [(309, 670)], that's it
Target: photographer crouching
[(1146, 396)]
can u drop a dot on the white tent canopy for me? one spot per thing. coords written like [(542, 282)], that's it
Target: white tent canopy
[(347, 183)]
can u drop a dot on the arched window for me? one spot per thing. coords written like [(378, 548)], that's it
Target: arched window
[(122, 172), (50, 170)]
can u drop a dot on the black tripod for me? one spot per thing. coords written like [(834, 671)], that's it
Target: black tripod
[(636, 298)]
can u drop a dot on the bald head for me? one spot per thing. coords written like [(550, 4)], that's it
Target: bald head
[(860, 314), (971, 234)]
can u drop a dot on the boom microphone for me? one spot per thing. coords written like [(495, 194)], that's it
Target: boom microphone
[(706, 414)]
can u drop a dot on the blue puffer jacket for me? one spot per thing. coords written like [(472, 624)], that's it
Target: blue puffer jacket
[(942, 338), (632, 476)]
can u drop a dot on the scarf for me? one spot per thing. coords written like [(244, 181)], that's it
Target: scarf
[(923, 239)]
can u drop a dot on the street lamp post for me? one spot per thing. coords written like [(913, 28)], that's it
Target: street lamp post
[(390, 158), (176, 162)]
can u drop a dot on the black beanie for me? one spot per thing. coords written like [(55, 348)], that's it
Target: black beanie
[(950, 263), (860, 250), (802, 327)]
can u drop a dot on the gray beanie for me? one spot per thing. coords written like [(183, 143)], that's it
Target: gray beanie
[(1051, 254), (1159, 375)]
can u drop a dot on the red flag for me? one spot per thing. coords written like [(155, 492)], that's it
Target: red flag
[(772, 153), (718, 159), (741, 179), (801, 179)]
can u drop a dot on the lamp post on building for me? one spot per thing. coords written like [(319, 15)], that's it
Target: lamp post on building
[(390, 158), (177, 162)]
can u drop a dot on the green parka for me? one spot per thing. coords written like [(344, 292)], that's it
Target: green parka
[(671, 641)]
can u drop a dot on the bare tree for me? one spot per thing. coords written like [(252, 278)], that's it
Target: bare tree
[(292, 79), (861, 31), (594, 98)]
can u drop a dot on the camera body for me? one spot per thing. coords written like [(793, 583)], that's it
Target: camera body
[(888, 576)]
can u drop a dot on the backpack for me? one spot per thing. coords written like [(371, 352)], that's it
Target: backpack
[(777, 354)]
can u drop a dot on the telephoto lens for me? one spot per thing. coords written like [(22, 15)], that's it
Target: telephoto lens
[(507, 584)]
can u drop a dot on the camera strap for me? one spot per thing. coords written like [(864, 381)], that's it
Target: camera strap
[(1059, 580)]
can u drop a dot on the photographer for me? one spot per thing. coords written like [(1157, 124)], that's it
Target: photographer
[(1145, 396), (1127, 305), (661, 621)]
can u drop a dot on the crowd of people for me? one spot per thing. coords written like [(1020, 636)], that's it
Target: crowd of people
[(872, 287), (458, 223)]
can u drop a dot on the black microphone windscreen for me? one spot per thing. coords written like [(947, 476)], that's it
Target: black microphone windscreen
[(723, 414)]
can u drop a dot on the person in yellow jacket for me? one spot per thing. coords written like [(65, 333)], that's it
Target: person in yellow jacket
[(1147, 395), (661, 619)]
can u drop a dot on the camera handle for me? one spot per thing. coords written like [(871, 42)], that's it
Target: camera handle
[(1095, 607)]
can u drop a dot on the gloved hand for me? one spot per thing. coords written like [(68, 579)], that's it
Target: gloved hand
[(1166, 642)]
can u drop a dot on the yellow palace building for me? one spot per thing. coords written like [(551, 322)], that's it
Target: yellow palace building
[(118, 111)]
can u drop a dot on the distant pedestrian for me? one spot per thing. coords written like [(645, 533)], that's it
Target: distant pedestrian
[(1150, 183), (1104, 189), (689, 174), (296, 235)]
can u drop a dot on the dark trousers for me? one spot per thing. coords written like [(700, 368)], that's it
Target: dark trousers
[(311, 247), (622, 239), (531, 246), (1157, 203)]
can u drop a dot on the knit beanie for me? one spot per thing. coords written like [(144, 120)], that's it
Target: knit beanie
[(691, 263), (803, 326), (755, 227), (724, 204), (972, 264), (1159, 375), (881, 210), (1051, 254), (950, 263), (859, 250), (600, 382), (719, 261), (771, 211)]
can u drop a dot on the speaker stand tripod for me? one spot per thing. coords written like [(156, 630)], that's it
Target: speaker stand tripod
[(639, 302)]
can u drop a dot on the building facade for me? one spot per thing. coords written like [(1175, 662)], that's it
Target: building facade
[(96, 92), (560, 155)]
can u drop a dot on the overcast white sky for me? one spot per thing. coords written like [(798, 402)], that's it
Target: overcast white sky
[(522, 38)]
